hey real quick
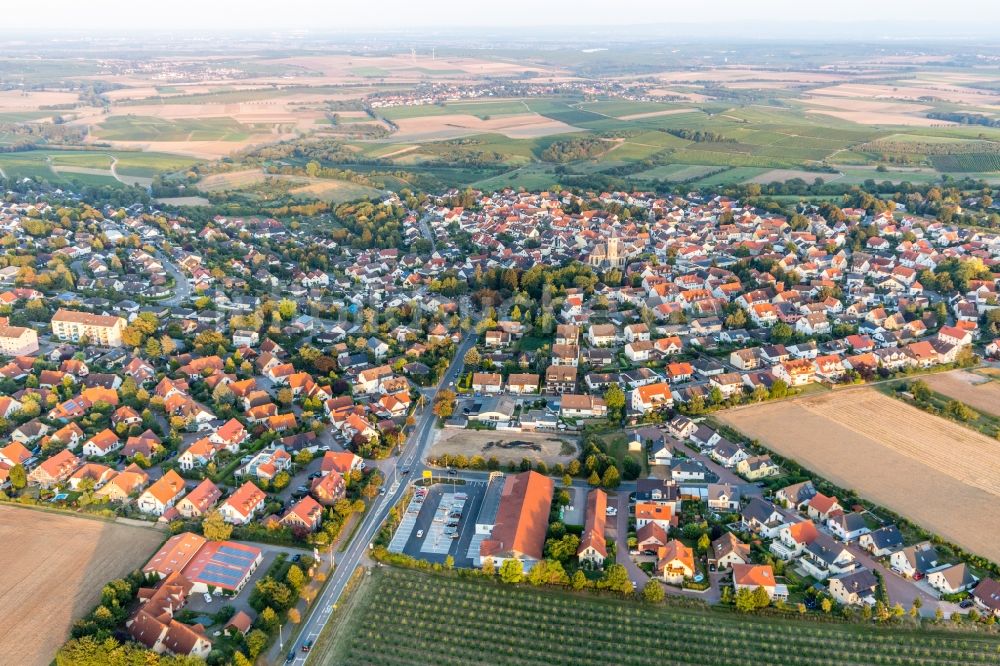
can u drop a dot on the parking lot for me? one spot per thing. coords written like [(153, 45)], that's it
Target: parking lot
[(440, 514)]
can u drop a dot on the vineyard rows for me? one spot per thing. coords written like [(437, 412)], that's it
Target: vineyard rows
[(409, 617), (972, 162)]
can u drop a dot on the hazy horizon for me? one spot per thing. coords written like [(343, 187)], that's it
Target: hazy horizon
[(846, 20)]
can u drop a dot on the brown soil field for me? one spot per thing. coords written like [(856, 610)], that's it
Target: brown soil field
[(454, 441), (15, 100), (881, 118), (976, 391), (872, 112), (908, 91), (941, 475), (54, 569), (520, 126), (653, 114)]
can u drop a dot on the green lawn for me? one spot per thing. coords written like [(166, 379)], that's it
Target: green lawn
[(401, 616)]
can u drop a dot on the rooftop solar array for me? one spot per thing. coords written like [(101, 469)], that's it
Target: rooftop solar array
[(226, 567)]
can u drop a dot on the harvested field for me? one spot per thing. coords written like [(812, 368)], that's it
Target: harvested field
[(184, 201), (951, 93), (16, 100), (873, 111), (653, 114), (941, 475), (54, 569), (533, 446), (521, 126), (231, 180), (979, 392)]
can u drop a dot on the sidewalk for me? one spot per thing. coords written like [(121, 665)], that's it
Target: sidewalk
[(289, 632)]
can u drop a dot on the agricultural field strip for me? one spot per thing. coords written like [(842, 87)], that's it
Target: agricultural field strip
[(962, 454), (586, 632), (983, 396)]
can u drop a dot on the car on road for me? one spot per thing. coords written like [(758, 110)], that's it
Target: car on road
[(381, 491), (207, 597), (420, 534), (296, 557), (405, 470), (290, 658), (307, 646), (452, 472)]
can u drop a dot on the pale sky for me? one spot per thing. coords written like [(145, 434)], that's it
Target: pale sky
[(892, 17)]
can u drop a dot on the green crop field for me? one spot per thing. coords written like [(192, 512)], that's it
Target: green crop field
[(38, 163), (150, 128), (566, 113), (151, 164), (25, 116), (500, 107), (408, 617), (619, 108)]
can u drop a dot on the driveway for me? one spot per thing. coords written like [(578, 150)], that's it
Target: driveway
[(635, 573), (903, 590)]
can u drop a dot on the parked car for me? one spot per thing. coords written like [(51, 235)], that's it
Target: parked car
[(965, 603), (208, 598), (612, 511)]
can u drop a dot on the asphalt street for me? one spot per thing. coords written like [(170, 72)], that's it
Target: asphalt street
[(412, 457)]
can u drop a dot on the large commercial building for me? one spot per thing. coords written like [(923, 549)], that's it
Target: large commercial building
[(522, 520), (18, 341), (226, 565), (98, 329)]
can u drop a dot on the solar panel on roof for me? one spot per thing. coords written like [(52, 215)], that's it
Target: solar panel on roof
[(235, 552), (219, 580), (229, 559), (220, 573)]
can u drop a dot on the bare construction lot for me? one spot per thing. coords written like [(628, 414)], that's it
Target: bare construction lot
[(979, 392), (506, 446), (939, 474), (54, 569)]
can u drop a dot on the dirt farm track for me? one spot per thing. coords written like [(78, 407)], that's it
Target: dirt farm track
[(941, 475), (53, 572)]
